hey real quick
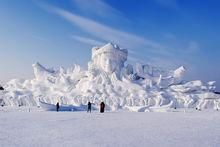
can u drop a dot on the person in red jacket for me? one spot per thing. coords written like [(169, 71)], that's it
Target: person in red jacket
[(102, 107)]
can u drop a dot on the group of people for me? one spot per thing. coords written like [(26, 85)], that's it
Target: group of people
[(89, 108), (102, 107)]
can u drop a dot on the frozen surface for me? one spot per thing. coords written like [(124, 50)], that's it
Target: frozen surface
[(22, 128), (108, 78)]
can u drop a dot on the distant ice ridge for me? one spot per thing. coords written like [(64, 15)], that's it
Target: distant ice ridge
[(109, 79)]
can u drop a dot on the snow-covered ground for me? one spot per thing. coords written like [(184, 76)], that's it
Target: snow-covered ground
[(21, 128)]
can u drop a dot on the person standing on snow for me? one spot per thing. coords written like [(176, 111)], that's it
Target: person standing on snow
[(102, 107), (57, 106), (89, 107)]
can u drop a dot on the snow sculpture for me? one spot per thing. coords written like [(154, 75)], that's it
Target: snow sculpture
[(109, 58), (110, 79), (41, 73), (176, 77), (178, 74)]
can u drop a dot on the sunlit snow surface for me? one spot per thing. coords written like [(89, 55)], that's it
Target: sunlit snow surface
[(110, 79), (21, 128)]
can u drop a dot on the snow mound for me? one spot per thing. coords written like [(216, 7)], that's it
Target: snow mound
[(108, 78)]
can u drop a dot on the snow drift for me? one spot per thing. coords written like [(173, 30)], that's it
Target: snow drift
[(109, 79)]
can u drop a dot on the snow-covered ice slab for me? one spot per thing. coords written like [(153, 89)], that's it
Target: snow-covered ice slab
[(111, 129)]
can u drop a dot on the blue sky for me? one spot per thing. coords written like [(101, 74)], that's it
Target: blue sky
[(165, 33)]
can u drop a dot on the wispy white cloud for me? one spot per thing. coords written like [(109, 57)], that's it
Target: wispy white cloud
[(86, 40), (187, 47), (98, 8), (182, 45), (107, 33), (124, 39), (167, 63), (38, 37), (192, 46)]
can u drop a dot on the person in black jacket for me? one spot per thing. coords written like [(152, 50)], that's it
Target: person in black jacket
[(102, 107), (1, 88), (57, 106), (89, 107)]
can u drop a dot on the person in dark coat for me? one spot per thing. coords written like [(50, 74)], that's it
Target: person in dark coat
[(57, 106), (102, 107), (1, 88), (89, 107)]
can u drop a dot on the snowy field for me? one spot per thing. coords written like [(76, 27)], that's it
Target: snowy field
[(22, 128)]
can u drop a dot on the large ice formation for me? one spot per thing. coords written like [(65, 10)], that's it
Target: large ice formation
[(110, 79)]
